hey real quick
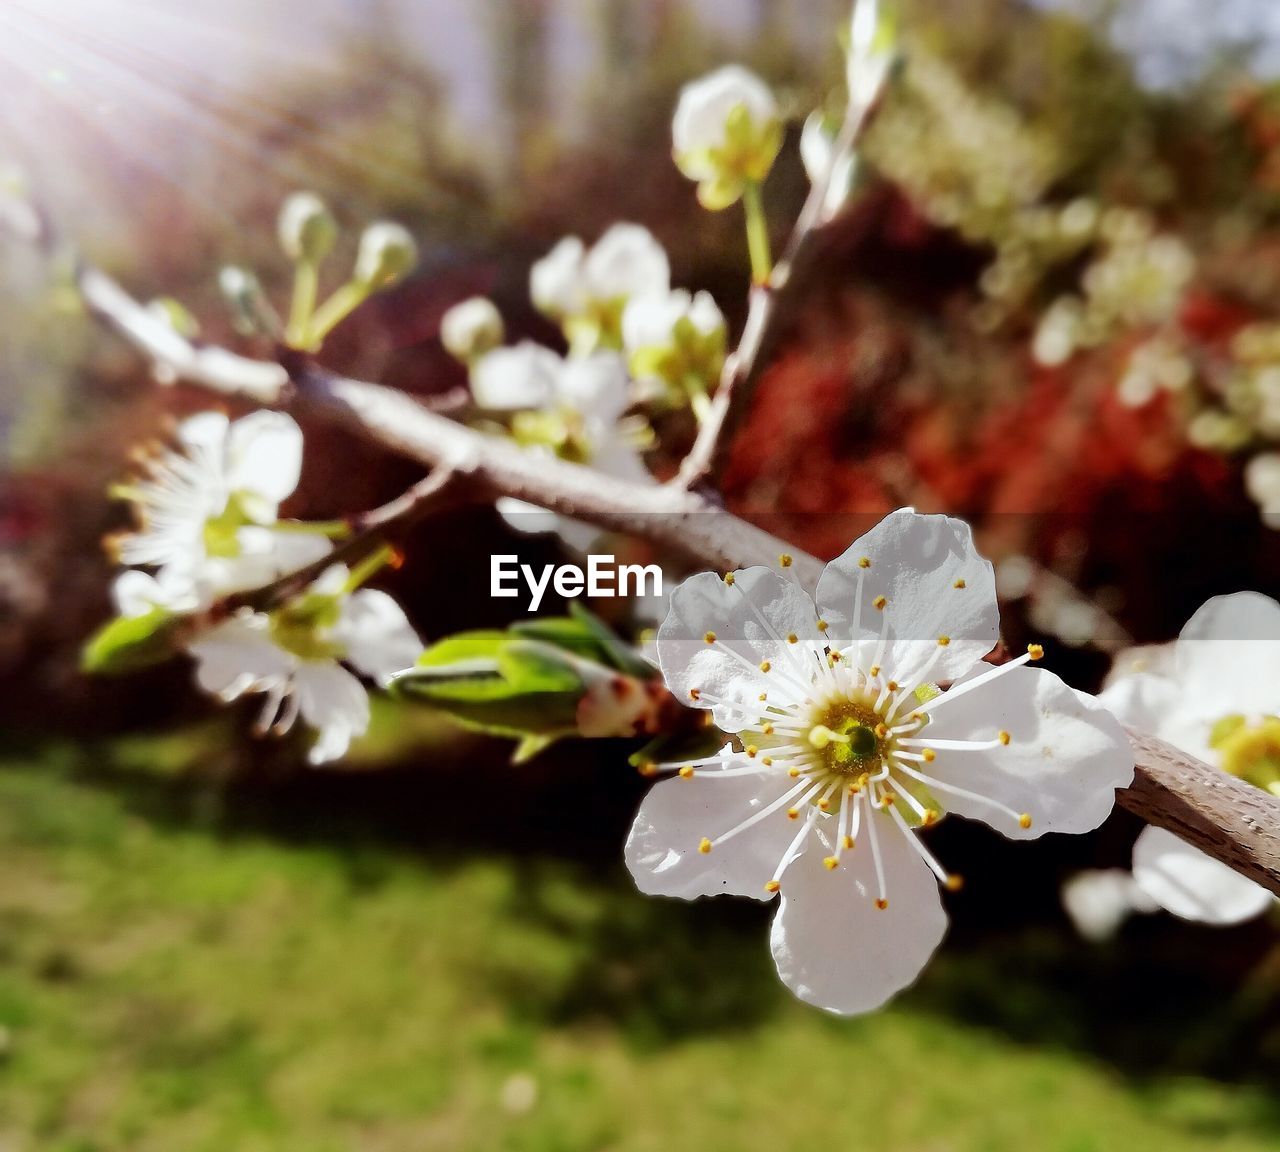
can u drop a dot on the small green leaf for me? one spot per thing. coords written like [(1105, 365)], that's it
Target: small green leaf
[(132, 642), (621, 655)]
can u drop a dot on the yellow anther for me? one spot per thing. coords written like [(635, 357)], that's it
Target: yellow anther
[(864, 779), (865, 562), (855, 788), (881, 731), (847, 842), (765, 665), (1024, 821), (959, 583), (710, 637), (943, 641), (836, 657), (879, 602), (648, 768), (772, 886), (873, 671), (686, 773), (954, 883), (704, 846), (793, 773), (729, 578), (767, 729), (831, 863), (695, 694), (1003, 736), (882, 904), (785, 560), (767, 762), (764, 696), (929, 755), (930, 818), (793, 813), (752, 751), (893, 685), (822, 625), (1035, 651), (890, 798), (824, 805), (792, 638)]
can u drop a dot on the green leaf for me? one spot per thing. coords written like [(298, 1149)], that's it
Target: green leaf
[(530, 747), (532, 666), (132, 642), (621, 655), (469, 649), (569, 633)]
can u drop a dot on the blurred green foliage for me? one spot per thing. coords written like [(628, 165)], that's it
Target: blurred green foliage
[(181, 971)]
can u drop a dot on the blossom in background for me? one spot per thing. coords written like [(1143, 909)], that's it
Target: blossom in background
[(471, 329), (1219, 700), (208, 513), (298, 657), (570, 408), (586, 290), (675, 341), (726, 134), (818, 154), (847, 748)]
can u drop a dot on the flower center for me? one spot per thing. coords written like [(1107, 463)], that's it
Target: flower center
[(302, 627), (845, 737), (1251, 752)]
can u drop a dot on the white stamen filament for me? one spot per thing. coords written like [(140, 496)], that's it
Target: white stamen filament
[(955, 790), (977, 682), (804, 785)]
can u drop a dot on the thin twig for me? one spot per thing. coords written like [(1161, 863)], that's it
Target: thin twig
[(386, 524), (772, 307)]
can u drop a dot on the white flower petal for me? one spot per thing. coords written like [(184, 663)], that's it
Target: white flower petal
[(378, 639), (264, 456), (523, 376), (834, 948), (238, 656), (916, 563), (702, 113), (595, 386), (1186, 882), (730, 666), (555, 281), (138, 593), (1065, 759), (1143, 701), (626, 261), (1098, 901), (1228, 656), (662, 847), (205, 431), (333, 702)]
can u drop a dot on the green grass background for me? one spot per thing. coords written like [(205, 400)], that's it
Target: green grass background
[(176, 979)]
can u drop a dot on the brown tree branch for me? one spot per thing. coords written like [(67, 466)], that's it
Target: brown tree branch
[(1225, 817)]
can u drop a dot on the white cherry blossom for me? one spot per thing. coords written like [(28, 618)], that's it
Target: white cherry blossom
[(1217, 700), (586, 289), (299, 658), (726, 133), (208, 513), (845, 749)]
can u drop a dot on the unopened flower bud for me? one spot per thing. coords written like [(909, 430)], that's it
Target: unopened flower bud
[(307, 228), (387, 255), (471, 329)]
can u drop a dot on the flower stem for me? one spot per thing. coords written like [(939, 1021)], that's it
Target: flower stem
[(370, 566), (306, 284), (757, 233), (335, 310)]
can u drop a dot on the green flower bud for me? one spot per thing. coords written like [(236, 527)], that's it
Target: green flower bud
[(307, 228), (387, 255)]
